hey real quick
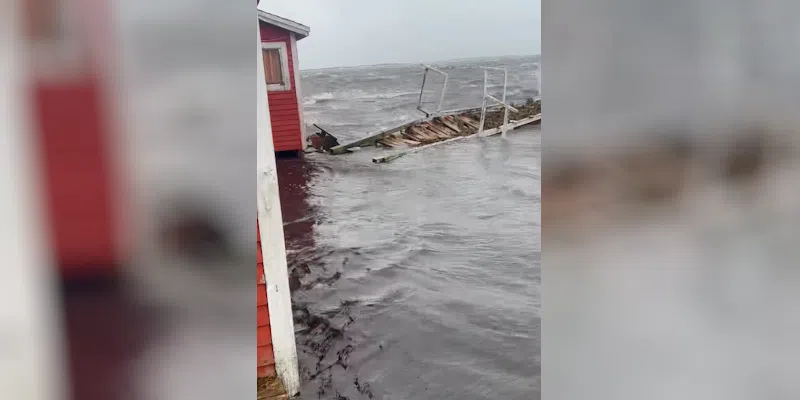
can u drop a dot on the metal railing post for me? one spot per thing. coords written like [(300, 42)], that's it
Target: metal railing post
[(422, 90), (505, 115), (486, 96), (441, 98), (483, 106)]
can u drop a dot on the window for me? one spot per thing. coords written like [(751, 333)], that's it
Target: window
[(276, 66), (272, 67)]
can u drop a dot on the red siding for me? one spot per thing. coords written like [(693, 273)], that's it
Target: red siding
[(265, 358), (73, 133), (73, 143), (283, 105)]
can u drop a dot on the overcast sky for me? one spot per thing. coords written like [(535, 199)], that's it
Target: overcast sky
[(361, 32)]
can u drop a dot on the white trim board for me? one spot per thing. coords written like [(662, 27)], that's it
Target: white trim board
[(270, 221), (298, 91), (33, 362), (301, 30), (287, 78)]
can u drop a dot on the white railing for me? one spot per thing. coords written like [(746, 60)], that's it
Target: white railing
[(502, 101), (422, 90)]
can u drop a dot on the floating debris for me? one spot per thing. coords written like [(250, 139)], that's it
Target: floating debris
[(323, 141), (270, 388)]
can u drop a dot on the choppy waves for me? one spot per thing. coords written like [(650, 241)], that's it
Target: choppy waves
[(354, 101)]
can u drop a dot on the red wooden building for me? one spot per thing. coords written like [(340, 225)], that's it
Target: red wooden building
[(279, 38)]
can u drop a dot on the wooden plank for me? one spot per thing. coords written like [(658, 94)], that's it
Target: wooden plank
[(393, 141), (440, 135), (449, 123), (291, 120), (427, 132), (414, 135), (433, 135), (420, 132), (443, 130), (514, 125), (469, 121), (394, 156), (291, 106)]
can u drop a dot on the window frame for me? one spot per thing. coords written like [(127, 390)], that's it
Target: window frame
[(287, 78)]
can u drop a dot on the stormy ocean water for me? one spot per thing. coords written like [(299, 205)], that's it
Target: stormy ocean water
[(418, 279)]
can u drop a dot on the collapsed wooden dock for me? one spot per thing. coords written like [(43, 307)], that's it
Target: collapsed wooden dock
[(448, 127), (439, 127)]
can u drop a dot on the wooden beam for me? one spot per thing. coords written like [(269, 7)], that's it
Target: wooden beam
[(394, 156), (440, 135), (410, 142), (415, 135), (513, 125), (448, 123), (442, 130), (416, 130), (468, 121)]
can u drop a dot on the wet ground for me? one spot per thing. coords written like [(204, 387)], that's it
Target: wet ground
[(417, 279)]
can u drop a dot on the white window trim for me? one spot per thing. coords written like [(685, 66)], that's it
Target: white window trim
[(281, 47)]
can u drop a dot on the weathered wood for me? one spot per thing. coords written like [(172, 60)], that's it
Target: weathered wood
[(513, 125), (421, 132), (469, 121), (429, 135), (431, 126), (415, 135), (394, 156), (440, 135), (398, 141), (393, 141), (410, 142), (375, 137), (442, 130), (494, 131), (409, 135), (446, 122)]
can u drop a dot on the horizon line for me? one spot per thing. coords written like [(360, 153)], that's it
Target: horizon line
[(420, 62)]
